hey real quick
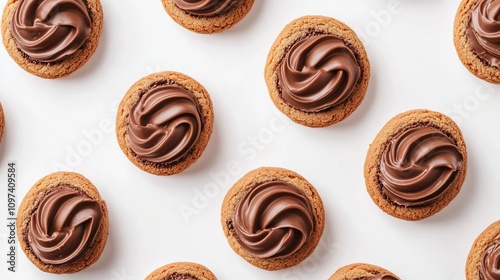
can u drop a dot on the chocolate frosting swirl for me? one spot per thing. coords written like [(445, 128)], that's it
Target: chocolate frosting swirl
[(50, 30), (207, 8), (64, 225), (273, 219), (490, 265), (177, 276), (164, 124), (483, 31), (418, 165), (317, 73)]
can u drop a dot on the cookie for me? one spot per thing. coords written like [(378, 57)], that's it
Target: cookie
[(358, 271), (483, 262), (51, 38), (62, 223), (317, 71), (2, 122), (182, 271), (164, 122), (416, 165), (273, 218), (475, 35), (207, 16)]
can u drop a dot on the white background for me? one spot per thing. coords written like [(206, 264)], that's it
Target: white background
[(69, 123)]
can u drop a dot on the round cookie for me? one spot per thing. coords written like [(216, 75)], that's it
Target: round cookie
[(317, 71), (164, 122), (363, 271), (207, 16), (273, 218), (62, 223), (182, 271), (483, 262), (475, 35), (416, 164), (36, 39), (2, 122)]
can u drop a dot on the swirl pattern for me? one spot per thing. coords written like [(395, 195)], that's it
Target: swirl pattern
[(483, 31), (207, 8), (50, 30), (164, 124), (178, 276), (490, 266), (273, 219), (317, 73), (418, 165), (64, 225)]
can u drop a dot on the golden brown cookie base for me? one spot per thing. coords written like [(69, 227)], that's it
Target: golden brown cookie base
[(488, 236), (131, 98), (182, 268), (2, 122), (265, 174), (290, 34), (66, 66), (469, 59), (29, 204), (359, 270), (372, 161), (208, 25)]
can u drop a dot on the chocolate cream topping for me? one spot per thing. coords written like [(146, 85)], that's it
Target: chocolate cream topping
[(207, 8), (318, 72), (418, 165), (164, 124), (490, 265), (380, 277), (273, 219), (483, 31), (50, 30), (177, 276), (64, 225)]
